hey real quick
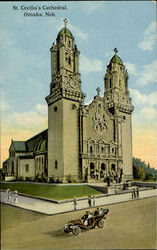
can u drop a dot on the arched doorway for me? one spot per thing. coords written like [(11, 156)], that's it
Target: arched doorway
[(103, 168), (113, 167), (92, 169)]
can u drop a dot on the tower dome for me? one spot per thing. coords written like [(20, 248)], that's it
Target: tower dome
[(64, 32), (116, 58)]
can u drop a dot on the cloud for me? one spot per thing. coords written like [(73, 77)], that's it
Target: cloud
[(90, 65), (131, 68), (4, 104), (28, 119), (148, 74), (90, 7), (145, 113), (143, 99), (42, 109), (37, 118), (74, 29), (149, 113), (149, 37), (79, 33)]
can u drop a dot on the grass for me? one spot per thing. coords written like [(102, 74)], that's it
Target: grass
[(50, 191)]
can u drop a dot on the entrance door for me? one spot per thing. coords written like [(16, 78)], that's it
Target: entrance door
[(92, 169)]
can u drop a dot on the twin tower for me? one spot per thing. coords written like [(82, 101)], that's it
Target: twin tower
[(84, 140)]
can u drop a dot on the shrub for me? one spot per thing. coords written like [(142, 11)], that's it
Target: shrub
[(28, 178), (51, 180), (69, 178), (20, 178)]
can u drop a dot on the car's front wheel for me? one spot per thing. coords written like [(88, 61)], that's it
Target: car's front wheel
[(101, 223), (75, 230), (66, 229)]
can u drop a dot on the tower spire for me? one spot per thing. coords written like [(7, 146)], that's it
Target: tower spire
[(65, 23), (115, 50)]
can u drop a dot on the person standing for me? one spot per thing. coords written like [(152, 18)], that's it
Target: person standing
[(93, 201), (134, 193), (137, 192), (8, 194), (75, 203), (15, 197), (89, 201)]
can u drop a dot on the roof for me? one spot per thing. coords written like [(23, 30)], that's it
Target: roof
[(116, 59), (6, 161), (19, 146), (32, 142), (26, 157), (65, 31), (29, 145), (41, 145)]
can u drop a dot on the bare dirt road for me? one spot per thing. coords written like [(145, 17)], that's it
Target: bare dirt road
[(129, 225)]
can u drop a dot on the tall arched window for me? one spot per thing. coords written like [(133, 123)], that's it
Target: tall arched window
[(56, 164), (110, 83), (69, 60), (12, 168)]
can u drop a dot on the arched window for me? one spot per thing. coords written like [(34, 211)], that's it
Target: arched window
[(91, 149), (12, 168), (110, 83), (113, 167), (103, 166), (69, 60)]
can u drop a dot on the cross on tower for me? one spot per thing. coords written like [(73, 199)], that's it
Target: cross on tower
[(98, 91), (115, 50), (65, 22)]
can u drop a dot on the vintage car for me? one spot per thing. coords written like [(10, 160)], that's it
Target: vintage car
[(88, 221)]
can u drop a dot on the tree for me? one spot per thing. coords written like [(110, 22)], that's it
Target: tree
[(138, 173)]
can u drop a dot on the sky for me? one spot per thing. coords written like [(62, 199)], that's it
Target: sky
[(98, 27)]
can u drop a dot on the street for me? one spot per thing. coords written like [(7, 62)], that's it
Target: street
[(128, 225)]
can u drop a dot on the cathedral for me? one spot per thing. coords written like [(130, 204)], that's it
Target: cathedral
[(84, 141)]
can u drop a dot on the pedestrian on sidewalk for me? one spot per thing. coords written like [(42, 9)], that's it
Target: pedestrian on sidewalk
[(75, 203), (15, 197), (93, 201), (7, 194), (132, 193), (134, 190), (89, 201), (137, 193)]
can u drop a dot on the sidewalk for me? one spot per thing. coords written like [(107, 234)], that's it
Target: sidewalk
[(50, 208)]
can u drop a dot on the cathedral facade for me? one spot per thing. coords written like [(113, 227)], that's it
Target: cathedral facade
[(83, 141)]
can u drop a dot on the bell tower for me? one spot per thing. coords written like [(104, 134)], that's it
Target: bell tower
[(117, 100), (63, 107), (65, 65)]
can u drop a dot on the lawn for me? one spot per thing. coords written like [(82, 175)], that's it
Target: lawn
[(50, 191)]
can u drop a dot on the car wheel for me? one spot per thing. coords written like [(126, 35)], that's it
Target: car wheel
[(75, 230), (66, 229), (101, 223)]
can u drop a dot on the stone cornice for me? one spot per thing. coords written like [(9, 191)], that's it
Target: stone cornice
[(124, 107), (70, 94)]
